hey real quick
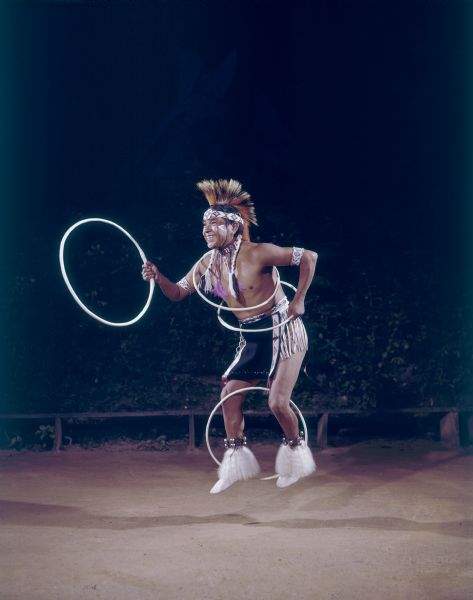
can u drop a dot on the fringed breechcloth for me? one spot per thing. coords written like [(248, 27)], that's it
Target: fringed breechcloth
[(258, 354)]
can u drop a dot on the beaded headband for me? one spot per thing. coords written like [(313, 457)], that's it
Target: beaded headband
[(211, 213)]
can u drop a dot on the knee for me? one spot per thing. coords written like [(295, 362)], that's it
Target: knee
[(232, 406), (228, 388), (278, 403)]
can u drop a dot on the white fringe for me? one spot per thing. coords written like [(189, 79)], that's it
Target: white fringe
[(232, 274), (215, 268), (295, 462), (238, 464), (208, 273), (294, 338)]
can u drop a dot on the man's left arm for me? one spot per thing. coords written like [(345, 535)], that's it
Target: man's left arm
[(307, 263), (306, 260)]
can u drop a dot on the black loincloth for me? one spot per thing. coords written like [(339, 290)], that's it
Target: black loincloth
[(258, 354)]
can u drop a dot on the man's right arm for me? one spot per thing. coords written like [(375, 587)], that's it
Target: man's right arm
[(173, 291)]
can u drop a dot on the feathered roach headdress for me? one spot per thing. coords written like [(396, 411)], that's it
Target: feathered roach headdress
[(228, 193), (228, 200)]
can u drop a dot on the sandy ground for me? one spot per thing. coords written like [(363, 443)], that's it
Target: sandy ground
[(390, 520)]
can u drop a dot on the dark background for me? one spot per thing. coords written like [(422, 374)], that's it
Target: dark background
[(348, 123)]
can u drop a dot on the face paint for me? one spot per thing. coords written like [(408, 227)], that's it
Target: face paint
[(216, 232)]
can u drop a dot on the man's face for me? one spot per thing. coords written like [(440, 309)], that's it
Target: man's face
[(217, 232)]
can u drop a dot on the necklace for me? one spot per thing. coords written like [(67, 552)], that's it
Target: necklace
[(220, 258), (228, 249)]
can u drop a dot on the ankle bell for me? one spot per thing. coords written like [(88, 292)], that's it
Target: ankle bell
[(235, 443), (293, 442)]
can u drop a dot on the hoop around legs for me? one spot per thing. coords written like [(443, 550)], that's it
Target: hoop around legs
[(234, 393), (71, 289)]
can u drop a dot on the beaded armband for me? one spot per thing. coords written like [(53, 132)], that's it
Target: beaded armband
[(296, 256), (184, 284)]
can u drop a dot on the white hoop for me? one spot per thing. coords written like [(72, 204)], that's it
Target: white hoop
[(246, 389), (241, 330), (71, 289), (204, 297)]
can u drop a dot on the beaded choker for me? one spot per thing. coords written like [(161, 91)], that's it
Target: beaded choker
[(227, 249)]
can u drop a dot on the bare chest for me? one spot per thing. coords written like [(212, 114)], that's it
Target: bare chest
[(252, 279)]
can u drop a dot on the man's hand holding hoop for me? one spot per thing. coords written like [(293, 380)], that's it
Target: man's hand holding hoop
[(171, 290), (296, 308), (150, 271)]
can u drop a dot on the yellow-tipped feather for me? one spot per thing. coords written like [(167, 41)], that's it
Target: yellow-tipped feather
[(228, 192)]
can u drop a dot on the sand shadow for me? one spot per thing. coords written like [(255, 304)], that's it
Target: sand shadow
[(28, 514)]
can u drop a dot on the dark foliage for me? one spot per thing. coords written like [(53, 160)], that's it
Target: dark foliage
[(375, 340)]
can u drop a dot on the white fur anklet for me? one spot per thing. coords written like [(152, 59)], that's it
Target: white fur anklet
[(293, 462), (238, 463)]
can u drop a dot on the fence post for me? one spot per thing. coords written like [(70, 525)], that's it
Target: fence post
[(57, 433), (469, 428), (191, 431), (322, 425), (450, 430)]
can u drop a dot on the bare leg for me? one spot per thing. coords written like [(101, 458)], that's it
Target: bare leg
[(296, 461), (238, 461), (232, 413), (280, 394)]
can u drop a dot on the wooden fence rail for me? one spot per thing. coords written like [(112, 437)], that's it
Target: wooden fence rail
[(449, 422)]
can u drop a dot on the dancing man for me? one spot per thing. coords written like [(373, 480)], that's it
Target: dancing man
[(242, 274)]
